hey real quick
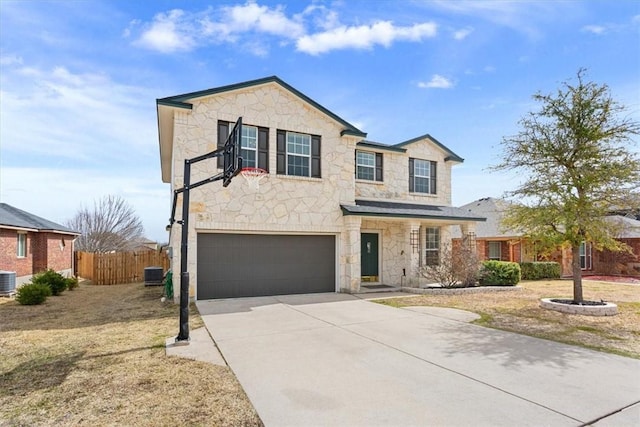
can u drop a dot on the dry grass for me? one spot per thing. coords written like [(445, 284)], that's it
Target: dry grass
[(519, 311), (95, 356)]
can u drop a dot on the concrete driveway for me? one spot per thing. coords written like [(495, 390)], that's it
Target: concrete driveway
[(338, 360)]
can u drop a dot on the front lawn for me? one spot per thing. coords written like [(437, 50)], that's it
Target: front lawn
[(520, 312), (95, 356)]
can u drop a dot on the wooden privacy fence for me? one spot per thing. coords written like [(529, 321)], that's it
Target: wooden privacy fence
[(118, 267)]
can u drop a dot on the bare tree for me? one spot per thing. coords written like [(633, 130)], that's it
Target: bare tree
[(112, 225), (457, 267)]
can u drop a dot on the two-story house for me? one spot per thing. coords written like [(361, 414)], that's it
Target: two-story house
[(336, 212)]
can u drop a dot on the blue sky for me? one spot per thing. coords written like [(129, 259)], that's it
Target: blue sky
[(79, 80)]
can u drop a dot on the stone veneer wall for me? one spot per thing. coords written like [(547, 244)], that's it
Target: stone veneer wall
[(283, 204), (395, 185)]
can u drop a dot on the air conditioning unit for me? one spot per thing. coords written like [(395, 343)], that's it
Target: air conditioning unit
[(153, 276), (7, 282)]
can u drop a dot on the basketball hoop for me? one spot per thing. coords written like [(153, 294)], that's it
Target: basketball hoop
[(254, 176)]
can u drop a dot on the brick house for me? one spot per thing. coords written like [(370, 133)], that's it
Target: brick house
[(337, 213), (495, 242), (30, 244)]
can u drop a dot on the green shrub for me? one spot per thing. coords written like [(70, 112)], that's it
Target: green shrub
[(539, 270), (72, 282), (32, 293), (52, 279), (499, 273)]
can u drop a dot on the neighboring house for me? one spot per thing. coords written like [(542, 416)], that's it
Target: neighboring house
[(30, 244), (336, 212), (494, 242)]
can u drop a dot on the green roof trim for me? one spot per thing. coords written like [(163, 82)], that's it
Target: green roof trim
[(181, 101), (379, 146), (176, 104), (451, 157)]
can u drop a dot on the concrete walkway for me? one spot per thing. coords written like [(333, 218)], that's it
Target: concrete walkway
[(336, 359)]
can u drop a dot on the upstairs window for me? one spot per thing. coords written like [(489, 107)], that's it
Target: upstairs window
[(298, 154), (254, 144), (369, 166), (249, 146), (21, 251), (422, 176)]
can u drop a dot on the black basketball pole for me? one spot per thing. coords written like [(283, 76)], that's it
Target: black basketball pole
[(183, 335), (227, 174)]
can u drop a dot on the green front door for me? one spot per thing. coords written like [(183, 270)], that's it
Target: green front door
[(369, 257)]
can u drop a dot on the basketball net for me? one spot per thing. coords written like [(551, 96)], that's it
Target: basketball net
[(253, 176)]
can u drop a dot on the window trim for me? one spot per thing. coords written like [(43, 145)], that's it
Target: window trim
[(255, 149), (431, 177), (586, 254), (429, 250), (281, 155), (499, 245), (21, 253), (287, 153), (376, 166)]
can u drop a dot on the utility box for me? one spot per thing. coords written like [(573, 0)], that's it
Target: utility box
[(153, 276)]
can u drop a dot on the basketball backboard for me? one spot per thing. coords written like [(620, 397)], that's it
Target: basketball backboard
[(232, 162)]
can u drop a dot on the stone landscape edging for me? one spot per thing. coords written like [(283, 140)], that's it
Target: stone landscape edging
[(460, 291), (609, 309)]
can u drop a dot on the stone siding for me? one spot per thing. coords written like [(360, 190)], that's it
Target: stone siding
[(395, 185), (284, 204)]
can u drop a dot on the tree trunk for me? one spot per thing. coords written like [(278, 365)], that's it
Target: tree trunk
[(577, 274)]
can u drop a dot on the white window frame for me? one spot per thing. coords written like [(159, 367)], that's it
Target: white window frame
[(432, 249), (371, 166), (586, 259), (243, 147), (307, 138), (499, 246), (21, 245), (427, 177)]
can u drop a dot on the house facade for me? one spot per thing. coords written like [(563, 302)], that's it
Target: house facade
[(337, 212), (494, 242), (30, 244)]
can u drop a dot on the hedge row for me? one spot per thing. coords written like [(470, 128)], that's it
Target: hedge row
[(540, 270), (499, 273)]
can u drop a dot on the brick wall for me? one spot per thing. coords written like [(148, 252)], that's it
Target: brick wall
[(59, 251), (44, 251), (618, 263), (9, 260)]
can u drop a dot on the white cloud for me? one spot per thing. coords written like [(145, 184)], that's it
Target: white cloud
[(522, 16), (463, 33), (594, 29), (437, 82), (364, 37), (76, 117), (169, 32), (7, 60), (251, 25)]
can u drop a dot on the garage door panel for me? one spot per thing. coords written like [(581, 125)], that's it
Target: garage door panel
[(238, 265)]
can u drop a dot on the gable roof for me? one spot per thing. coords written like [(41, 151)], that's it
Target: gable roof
[(12, 217), (166, 106), (451, 155), (492, 209), (629, 227)]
